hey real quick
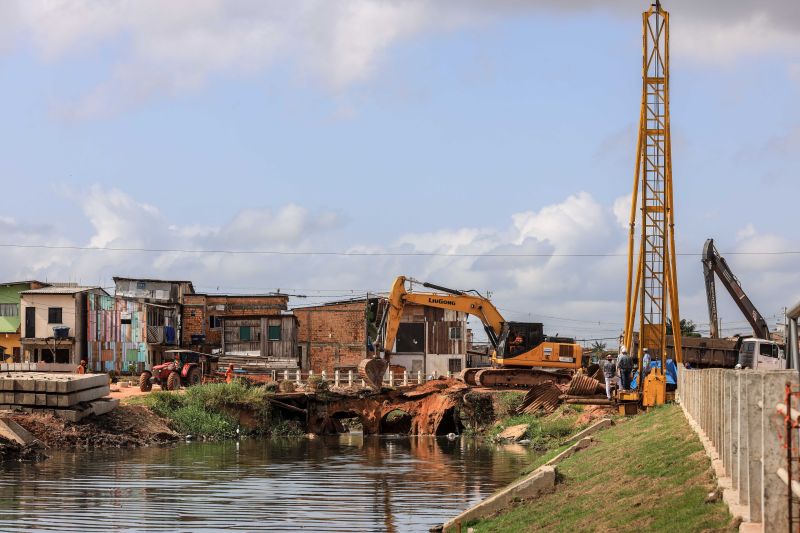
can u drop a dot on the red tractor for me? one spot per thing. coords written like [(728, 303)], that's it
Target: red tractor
[(181, 368)]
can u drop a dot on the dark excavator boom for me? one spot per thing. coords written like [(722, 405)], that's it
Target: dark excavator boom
[(714, 263)]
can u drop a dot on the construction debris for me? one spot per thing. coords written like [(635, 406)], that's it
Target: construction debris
[(544, 396), (583, 385)]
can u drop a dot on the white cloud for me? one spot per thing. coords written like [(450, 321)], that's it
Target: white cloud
[(167, 47), (581, 296)]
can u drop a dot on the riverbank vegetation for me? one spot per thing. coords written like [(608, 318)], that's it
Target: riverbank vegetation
[(220, 411), (646, 473)]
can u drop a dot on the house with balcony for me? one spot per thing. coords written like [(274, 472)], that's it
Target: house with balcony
[(53, 323), (144, 320)]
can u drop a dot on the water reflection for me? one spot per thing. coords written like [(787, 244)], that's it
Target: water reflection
[(345, 483)]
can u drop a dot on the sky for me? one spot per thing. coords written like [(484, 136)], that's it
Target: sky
[(395, 130)]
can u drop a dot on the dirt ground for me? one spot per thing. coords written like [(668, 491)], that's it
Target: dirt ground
[(121, 392), (124, 427)]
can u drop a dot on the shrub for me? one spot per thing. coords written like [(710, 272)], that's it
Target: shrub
[(508, 403), (194, 420), (477, 411), (287, 428)]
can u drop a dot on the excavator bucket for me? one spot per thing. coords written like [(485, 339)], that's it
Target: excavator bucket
[(372, 371)]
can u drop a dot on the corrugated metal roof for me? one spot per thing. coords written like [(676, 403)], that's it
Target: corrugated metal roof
[(26, 282), (62, 290)]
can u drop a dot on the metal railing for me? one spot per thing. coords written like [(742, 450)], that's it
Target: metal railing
[(351, 378)]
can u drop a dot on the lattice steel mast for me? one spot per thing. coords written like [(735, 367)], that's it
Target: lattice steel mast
[(653, 291)]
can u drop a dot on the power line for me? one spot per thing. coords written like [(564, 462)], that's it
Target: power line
[(351, 254)]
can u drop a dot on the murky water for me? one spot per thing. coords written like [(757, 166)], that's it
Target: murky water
[(346, 483)]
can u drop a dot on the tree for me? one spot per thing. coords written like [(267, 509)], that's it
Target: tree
[(598, 348), (688, 328)]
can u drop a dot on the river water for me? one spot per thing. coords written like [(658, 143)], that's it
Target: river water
[(343, 483)]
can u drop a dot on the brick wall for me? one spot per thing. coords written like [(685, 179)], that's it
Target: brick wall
[(334, 335), (199, 308)]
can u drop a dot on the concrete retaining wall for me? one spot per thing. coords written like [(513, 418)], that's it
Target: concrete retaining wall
[(734, 412)]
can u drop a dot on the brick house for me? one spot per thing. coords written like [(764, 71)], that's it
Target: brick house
[(203, 315), (334, 336)]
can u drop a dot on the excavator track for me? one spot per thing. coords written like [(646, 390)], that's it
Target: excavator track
[(512, 377)]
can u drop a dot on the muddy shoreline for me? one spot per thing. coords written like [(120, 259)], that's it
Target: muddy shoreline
[(128, 426)]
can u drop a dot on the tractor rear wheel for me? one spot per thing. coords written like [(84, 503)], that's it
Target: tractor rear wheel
[(194, 377), (174, 381), (145, 385)]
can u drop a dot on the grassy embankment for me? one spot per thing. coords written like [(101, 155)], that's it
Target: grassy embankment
[(213, 410), (489, 414), (649, 473)]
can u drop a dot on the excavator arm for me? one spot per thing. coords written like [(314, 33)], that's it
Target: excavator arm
[(714, 263), (373, 369), (478, 306)]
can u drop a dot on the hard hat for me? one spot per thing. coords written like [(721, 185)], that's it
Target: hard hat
[(645, 349), (622, 349)]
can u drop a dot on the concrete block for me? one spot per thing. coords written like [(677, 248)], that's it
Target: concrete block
[(12, 431), (774, 456), (68, 400), (742, 479), (73, 415), (540, 481), (734, 469), (754, 442), (104, 405), (591, 430)]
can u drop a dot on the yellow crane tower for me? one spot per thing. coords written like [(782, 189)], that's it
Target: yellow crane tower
[(652, 285)]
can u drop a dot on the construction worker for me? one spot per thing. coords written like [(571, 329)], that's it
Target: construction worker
[(646, 362), (624, 366), (81, 367), (229, 374), (609, 373)]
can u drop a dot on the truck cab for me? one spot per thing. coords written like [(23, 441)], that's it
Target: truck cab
[(761, 354)]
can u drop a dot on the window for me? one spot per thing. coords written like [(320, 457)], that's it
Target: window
[(454, 365), (140, 285), (274, 333), (9, 310), (455, 333), (214, 322), (769, 350), (245, 333), (54, 315)]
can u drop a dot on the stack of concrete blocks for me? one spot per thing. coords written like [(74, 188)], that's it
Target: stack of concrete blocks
[(734, 412), (37, 367), (68, 396)]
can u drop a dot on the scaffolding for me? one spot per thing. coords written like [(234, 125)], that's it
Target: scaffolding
[(652, 279)]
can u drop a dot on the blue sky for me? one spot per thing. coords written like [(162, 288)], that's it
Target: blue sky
[(447, 127)]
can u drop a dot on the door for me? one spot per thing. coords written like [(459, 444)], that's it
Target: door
[(767, 357), (30, 322)]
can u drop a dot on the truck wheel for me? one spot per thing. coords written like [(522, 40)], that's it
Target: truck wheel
[(194, 377), (174, 381), (145, 385)]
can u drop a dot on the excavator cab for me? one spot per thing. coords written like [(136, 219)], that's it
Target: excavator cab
[(522, 337)]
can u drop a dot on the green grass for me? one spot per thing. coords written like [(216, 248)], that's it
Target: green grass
[(649, 473), (210, 410), (545, 432)]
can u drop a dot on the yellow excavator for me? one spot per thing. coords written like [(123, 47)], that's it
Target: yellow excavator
[(522, 355)]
